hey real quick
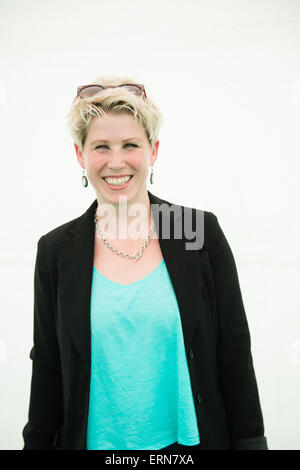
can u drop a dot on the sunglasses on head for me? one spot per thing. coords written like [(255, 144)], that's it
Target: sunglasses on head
[(87, 91)]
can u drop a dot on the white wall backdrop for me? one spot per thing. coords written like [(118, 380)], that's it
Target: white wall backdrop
[(226, 76)]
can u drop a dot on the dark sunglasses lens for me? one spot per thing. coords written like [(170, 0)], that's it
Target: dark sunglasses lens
[(90, 91), (134, 89)]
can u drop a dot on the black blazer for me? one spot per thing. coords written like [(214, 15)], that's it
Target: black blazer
[(215, 330)]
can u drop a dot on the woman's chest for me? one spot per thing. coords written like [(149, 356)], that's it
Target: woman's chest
[(124, 270)]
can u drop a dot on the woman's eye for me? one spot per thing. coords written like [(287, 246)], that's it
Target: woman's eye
[(100, 146)]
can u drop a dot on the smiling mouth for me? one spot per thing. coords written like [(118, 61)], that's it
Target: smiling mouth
[(118, 182)]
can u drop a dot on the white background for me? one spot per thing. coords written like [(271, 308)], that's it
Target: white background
[(226, 76)]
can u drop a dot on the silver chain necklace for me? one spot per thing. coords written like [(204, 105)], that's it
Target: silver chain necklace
[(135, 256)]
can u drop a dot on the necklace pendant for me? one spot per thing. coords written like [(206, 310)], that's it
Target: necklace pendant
[(137, 257)]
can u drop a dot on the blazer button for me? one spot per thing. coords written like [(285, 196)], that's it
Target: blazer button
[(198, 398), (191, 354)]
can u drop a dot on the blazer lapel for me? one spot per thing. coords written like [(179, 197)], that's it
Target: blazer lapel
[(75, 269), (184, 270)]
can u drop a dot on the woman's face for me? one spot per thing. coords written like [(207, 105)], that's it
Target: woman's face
[(117, 146)]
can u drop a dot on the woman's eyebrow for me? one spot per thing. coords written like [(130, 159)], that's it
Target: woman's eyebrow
[(107, 141)]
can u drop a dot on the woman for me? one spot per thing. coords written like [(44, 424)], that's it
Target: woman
[(140, 337)]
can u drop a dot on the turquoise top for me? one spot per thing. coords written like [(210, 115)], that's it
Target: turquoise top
[(140, 389)]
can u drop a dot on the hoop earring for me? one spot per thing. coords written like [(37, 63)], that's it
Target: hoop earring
[(151, 176), (84, 179)]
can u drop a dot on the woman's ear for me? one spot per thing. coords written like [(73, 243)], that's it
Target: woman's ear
[(80, 156), (154, 153)]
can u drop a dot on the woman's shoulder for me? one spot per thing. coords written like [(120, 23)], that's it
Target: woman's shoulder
[(200, 219), (71, 227)]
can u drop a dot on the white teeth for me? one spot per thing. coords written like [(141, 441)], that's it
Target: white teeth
[(117, 181)]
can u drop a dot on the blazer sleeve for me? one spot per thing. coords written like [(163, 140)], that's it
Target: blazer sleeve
[(237, 377), (45, 408)]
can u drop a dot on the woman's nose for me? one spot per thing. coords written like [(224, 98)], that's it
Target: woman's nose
[(116, 160)]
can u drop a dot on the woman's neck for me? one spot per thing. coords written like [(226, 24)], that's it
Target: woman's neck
[(125, 220)]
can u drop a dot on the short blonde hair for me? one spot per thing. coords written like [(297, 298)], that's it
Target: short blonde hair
[(117, 100)]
